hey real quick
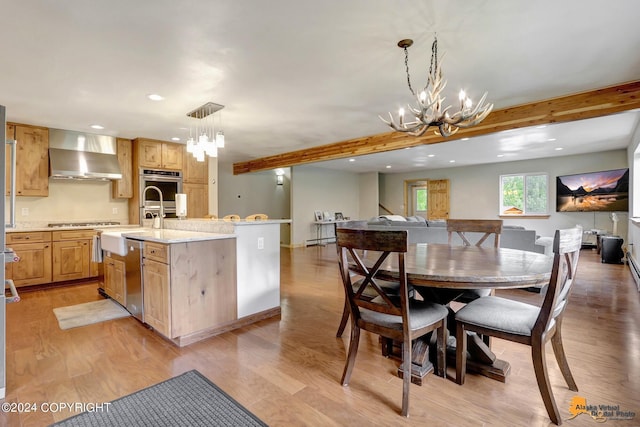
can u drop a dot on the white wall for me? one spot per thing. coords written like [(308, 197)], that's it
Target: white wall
[(69, 200), (369, 195), (633, 238), (474, 190), (212, 176), (318, 189), (252, 193)]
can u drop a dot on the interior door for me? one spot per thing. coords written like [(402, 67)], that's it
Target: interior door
[(427, 198), (438, 193)]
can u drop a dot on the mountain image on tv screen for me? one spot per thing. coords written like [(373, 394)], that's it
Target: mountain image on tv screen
[(603, 191)]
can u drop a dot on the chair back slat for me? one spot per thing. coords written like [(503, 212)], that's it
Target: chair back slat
[(487, 226), (566, 248), (384, 242)]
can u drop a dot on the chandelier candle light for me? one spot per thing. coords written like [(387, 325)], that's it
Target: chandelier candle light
[(203, 140), (429, 112)]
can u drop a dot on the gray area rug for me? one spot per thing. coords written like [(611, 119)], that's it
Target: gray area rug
[(187, 400), (77, 315)]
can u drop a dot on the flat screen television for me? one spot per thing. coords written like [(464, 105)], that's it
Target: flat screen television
[(604, 191)]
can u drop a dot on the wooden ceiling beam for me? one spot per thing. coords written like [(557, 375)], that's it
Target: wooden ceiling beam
[(585, 105)]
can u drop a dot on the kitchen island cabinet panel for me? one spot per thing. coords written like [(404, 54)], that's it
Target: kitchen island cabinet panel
[(157, 308), (203, 285)]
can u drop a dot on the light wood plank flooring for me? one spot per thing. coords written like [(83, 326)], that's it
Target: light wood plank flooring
[(287, 370)]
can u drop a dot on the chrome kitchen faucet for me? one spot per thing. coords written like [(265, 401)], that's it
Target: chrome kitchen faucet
[(161, 213)]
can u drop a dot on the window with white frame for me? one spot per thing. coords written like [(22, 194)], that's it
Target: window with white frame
[(524, 194)]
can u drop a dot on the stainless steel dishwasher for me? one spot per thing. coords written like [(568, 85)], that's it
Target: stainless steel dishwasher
[(134, 284)]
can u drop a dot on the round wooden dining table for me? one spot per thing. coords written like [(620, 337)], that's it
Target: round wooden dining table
[(431, 267)]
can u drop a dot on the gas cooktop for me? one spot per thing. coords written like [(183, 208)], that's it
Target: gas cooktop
[(82, 224)]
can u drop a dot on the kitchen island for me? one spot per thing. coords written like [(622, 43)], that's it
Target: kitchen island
[(204, 277)]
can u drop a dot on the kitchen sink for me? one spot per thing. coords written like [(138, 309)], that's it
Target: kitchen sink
[(114, 242)]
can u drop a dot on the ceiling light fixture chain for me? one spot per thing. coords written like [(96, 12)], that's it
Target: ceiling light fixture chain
[(429, 112)]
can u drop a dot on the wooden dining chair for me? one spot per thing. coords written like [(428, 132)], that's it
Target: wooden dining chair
[(490, 227), (257, 217), (527, 324), (394, 317), (231, 217)]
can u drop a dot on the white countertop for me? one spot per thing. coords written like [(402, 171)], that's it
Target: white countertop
[(172, 236)]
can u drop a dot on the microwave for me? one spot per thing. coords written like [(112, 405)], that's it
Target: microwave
[(168, 182)]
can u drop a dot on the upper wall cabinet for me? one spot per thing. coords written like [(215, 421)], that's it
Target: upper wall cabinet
[(158, 154), (32, 159), (193, 171), (123, 188)]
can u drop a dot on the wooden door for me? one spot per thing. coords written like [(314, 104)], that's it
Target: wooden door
[(71, 260), (157, 312), (438, 199), (32, 161)]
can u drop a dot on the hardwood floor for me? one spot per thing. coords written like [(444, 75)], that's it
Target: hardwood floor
[(287, 370)]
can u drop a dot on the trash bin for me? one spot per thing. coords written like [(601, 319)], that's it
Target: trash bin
[(611, 249)]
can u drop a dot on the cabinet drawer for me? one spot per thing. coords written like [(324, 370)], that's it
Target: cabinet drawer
[(156, 251), (28, 237), (72, 235)]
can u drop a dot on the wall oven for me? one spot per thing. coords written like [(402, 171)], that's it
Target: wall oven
[(169, 183)]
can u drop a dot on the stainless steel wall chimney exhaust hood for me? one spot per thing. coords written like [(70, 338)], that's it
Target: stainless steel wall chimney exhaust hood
[(79, 155)]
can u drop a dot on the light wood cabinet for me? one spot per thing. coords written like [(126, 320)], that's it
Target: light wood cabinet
[(189, 288), (156, 154), (123, 188), (157, 309), (114, 279), (34, 251), (11, 134), (193, 171), (72, 255), (32, 159), (197, 200)]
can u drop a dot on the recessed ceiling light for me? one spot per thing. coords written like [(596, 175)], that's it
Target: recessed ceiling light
[(352, 160), (175, 138), (452, 161), (155, 97), (551, 139), (500, 155), (388, 166), (97, 127), (558, 148), (431, 155), (541, 127), (464, 139)]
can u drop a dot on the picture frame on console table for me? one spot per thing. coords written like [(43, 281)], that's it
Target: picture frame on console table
[(339, 216), (318, 215)]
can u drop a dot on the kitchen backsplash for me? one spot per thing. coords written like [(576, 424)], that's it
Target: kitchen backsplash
[(75, 201)]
